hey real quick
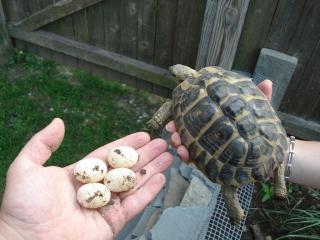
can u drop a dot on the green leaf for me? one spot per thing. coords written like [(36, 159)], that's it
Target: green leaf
[(266, 197)]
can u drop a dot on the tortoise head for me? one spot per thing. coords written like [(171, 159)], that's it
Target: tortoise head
[(181, 72)]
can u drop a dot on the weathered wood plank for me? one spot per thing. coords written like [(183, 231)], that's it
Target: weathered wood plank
[(254, 33), (96, 55), (112, 32), (299, 127), (81, 33), (226, 31), (33, 6), (303, 45), (146, 30), (161, 91), (129, 29), (187, 31), (80, 26), (284, 23), (146, 36), (5, 41), (112, 25), (67, 30), (207, 27), (43, 52), (312, 88), (53, 12), (96, 25), (165, 32)]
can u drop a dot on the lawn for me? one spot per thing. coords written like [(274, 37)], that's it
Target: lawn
[(33, 91)]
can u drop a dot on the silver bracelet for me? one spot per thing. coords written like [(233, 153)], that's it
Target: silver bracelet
[(287, 172)]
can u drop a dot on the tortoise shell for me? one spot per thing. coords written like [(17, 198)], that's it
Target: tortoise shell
[(231, 131)]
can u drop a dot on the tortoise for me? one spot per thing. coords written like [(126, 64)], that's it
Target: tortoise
[(231, 131)]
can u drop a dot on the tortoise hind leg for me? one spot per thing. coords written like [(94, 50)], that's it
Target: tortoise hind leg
[(280, 190), (235, 212), (161, 117)]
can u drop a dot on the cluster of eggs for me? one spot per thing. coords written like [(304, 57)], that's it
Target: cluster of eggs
[(93, 171)]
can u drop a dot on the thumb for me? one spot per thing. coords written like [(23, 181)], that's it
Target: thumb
[(266, 87), (40, 147)]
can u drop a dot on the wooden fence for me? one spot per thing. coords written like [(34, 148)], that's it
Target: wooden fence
[(134, 41)]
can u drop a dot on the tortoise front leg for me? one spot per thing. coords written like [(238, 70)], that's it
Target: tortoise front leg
[(280, 190), (230, 196), (161, 117)]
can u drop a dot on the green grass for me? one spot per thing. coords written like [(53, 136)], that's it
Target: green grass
[(296, 223), (33, 91)]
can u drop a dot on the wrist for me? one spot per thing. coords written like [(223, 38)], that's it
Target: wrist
[(7, 232)]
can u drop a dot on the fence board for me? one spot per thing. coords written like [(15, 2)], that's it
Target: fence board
[(146, 30), (312, 73), (226, 30), (95, 55), (81, 33), (129, 28), (96, 25), (166, 19), (254, 33), (112, 25), (53, 12), (299, 127), (284, 23), (5, 42), (146, 36), (112, 32), (33, 6), (187, 31), (303, 46), (43, 52)]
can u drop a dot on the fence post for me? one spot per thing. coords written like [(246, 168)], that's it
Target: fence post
[(221, 30), (5, 41)]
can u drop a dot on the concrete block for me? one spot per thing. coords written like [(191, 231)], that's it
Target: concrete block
[(180, 223), (139, 229), (279, 68), (185, 170), (177, 186), (197, 194)]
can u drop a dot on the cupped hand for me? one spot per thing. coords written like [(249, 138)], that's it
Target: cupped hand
[(40, 202), (266, 89)]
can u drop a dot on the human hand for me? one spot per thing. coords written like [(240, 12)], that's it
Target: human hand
[(40, 202), (265, 87)]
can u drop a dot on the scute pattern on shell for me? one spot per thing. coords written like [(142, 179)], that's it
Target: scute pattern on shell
[(230, 129)]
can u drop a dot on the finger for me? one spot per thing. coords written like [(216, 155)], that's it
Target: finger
[(135, 140), (175, 139), (171, 127), (149, 152), (118, 213), (266, 88), (136, 202), (158, 165), (183, 153), (114, 214), (40, 147)]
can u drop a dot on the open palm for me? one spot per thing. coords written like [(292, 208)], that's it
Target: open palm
[(40, 202)]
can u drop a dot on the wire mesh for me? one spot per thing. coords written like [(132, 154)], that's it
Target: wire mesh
[(219, 227)]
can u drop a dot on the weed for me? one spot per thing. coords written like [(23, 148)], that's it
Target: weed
[(267, 191), (298, 223)]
